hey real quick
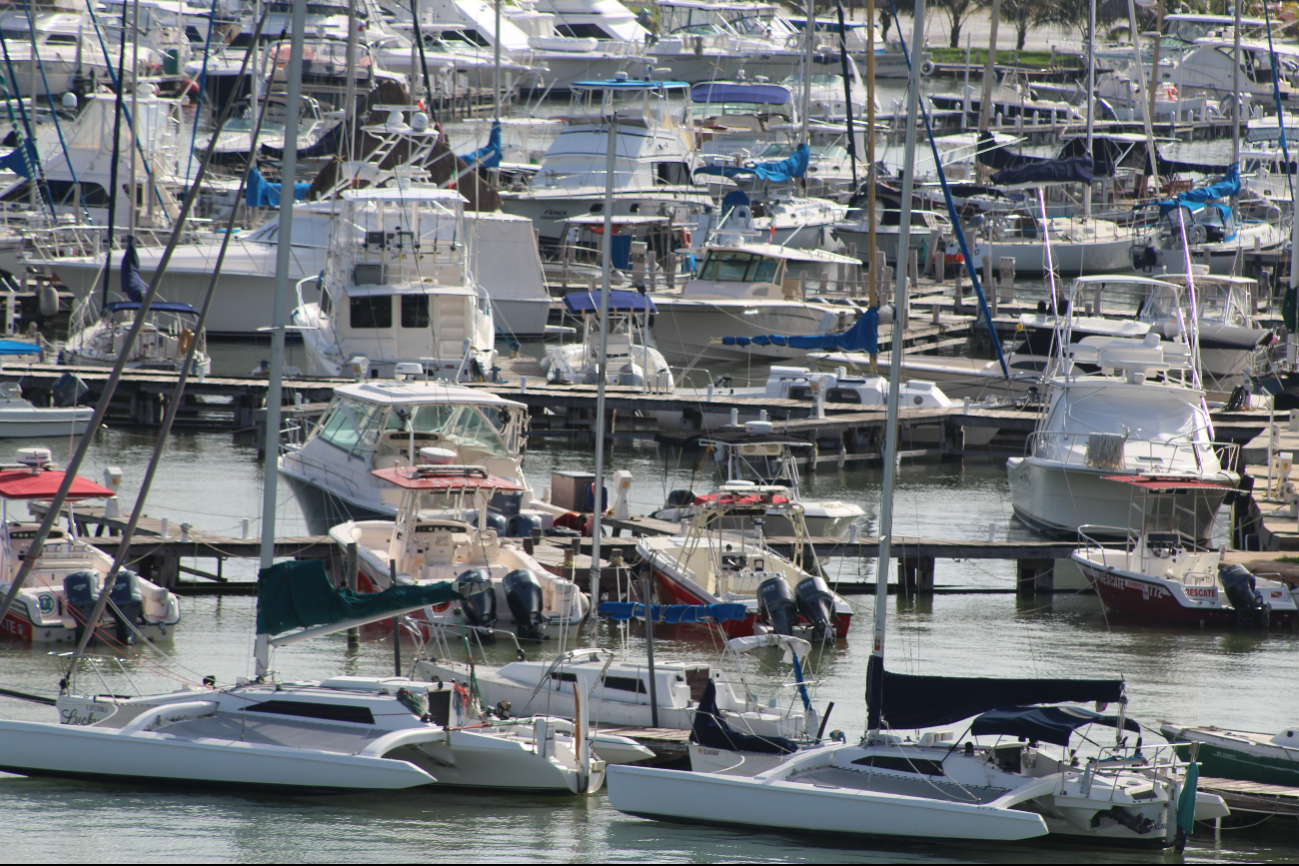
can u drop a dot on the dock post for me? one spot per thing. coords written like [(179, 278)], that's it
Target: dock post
[(916, 575), (1006, 277), (913, 268), (1034, 575), (351, 562), (958, 291), (989, 289), (935, 248)]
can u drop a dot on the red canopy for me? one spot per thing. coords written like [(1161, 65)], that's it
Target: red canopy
[(445, 478), (25, 484), (1157, 484)]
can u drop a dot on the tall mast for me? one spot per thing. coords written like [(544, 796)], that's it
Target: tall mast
[(1091, 99), (809, 31), (875, 670), (283, 252), (602, 363), (349, 92), (872, 252), (496, 60), (989, 70), (1235, 89)]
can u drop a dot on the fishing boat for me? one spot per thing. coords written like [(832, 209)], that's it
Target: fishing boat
[(631, 360), (1230, 338), (713, 564), (54, 602), (430, 541), (1267, 759), (397, 289), (1170, 578), (21, 419)]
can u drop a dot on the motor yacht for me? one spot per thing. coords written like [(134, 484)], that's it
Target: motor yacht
[(397, 290), (630, 359)]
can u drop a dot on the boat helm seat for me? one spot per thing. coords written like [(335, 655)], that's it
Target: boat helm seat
[(441, 549)]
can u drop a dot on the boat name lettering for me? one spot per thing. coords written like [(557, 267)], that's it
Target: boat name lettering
[(72, 716), (1202, 591)]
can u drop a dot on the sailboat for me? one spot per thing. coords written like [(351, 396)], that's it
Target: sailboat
[(934, 788)]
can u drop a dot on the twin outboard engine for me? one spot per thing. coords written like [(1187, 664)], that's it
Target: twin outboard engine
[(480, 608), (523, 595), (776, 605), (816, 605), (1244, 596), (79, 592)]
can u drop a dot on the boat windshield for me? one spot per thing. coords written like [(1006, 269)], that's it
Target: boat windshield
[(1150, 414), (464, 426), (736, 267)]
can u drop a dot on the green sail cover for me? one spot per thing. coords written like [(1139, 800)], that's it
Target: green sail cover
[(299, 594)]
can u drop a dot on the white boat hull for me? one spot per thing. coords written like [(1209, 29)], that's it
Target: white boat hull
[(684, 331), (37, 422)]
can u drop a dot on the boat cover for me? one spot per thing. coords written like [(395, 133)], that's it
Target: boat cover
[(133, 285), (18, 347), (759, 94), (620, 301), (673, 613), (711, 731), (1073, 170), (260, 193), (911, 701), (444, 478), (789, 644), (863, 336), (159, 307), (1045, 724), (299, 594), (25, 484), (1197, 198), (489, 155), (780, 171), (21, 160)]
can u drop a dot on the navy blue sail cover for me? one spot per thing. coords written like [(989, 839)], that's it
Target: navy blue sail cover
[(299, 594), (753, 94), (489, 155), (1045, 724), (711, 731), (673, 614), (159, 307), (782, 170), (863, 336), (133, 285), (1195, 199), (911, 701), (1073, 170)]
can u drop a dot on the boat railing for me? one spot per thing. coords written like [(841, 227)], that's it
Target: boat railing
[(80, 240)]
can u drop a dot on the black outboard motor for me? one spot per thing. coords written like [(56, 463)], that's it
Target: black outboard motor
[(678, 498), (1244, 596), (127, 599), (480, 608), (79, 593), (776, 605), (521, 525), (816, 605), (523, 595)]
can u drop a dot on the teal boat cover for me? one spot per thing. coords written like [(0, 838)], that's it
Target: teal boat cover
[(299, 594), (775, 172)]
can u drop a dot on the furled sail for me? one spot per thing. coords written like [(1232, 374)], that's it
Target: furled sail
[(779, 171), (863, 336), (299, 594)]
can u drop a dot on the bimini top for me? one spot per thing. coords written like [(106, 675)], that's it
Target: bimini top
[(157, 307), (722, 91), (26, 484), (395, 392), (620, 301), (444, 478), (1048, 724), (628, 84)]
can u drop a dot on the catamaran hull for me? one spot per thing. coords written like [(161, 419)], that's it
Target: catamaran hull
[(1056, 500), (700, 798), (68, 751)]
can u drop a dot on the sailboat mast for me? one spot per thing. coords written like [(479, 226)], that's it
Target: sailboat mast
[(349, 88), (1235, 88), (283, 253), (809, 31), (989, 70), (496, 60), (602, 361), (875, 670), (1091, 99)]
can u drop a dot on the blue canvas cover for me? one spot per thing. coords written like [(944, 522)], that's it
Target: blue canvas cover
[(786, 169), (620, 301), (133, 285), (159, 307), (1074, 170), (489, 155), (260, 193), (299, 594), (911, 701), (17, 347), (21, 160), (673, 614), (863, 336), (1045, 724), (759, 94), (1197, 198)]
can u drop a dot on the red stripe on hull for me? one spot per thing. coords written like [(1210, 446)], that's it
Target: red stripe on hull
[(16, 627), (1123, 594), (733, 627)]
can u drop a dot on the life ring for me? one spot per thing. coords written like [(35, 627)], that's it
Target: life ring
[(185, 340), (687, 240), (440, 607), (927, 67), (1171, 92)]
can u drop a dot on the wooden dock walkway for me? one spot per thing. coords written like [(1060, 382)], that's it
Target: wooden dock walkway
[(1254, 797)]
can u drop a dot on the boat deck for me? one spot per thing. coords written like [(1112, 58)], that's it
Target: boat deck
[(930, 789), (297, 733)]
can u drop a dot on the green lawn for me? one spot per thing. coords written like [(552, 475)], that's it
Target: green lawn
[(1035, 59)]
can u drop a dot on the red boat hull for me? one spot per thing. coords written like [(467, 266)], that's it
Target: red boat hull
[(1124, 593), (679, 594)]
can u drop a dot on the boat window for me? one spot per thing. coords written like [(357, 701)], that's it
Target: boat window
[(348, 421), (738, 267), (371, 311), (581, 31), (671, 173), (414, 311), (902, 764), (455, 425), (310, 710)]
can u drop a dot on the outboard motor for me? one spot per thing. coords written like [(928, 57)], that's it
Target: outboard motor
[(523, 595), (521, 525), (495, 520), (480, 608), (678, 498), (127, 599), (79, 593), (776, 605), (816, 605), (1243, 594)]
